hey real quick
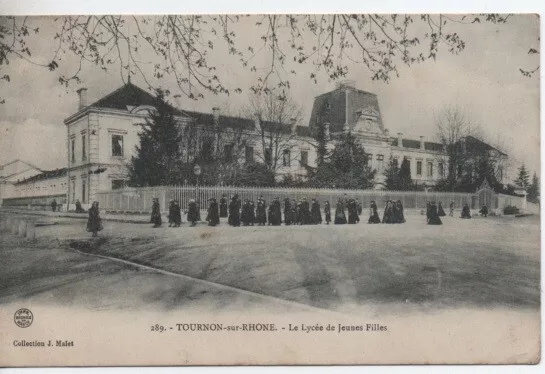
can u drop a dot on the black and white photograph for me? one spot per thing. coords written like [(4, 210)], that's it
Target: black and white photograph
[(269, 189)]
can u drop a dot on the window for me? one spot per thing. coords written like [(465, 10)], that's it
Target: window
[(380, 163), (73, 149), (304, 157), (286, 161), (228, 153), (441, 170), (117, 145), (83, 148), (268, 156), (500, 174), (418, 167), (396, 161), (117, 184), (249, 154), (83, 190), (430, 169)]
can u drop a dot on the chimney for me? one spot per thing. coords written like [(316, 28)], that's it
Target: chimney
[(422, 143), (400, 139), (82, 95), (346, 83), (216, 115), (326, 131), (293, 125)]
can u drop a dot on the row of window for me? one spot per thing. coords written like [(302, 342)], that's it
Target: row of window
[(116, 143), (429, 168), (249, 155)]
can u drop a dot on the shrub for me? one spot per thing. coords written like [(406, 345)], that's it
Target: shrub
[(510, 209)]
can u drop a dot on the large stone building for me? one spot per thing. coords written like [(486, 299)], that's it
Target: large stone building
[(102, 136), (22, 183)]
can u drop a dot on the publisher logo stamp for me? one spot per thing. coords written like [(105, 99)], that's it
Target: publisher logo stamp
[(23, 317)]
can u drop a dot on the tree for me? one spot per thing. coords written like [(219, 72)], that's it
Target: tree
[(405, 179), (452, 126), (347, 167), (158, 156), (533, 190), (278, 115), (321, 143), (470, 160), (523, 179), (391, 174), (252, 174), (180, 46)]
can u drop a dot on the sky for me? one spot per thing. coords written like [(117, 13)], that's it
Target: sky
[(483, 81)]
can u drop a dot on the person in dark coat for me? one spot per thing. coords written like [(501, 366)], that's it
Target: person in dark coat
[(245, 213), (387, 217), (156, 213), (428, 211), (251, 213), (434, 218), (360, 207), (340, 217), (373, 217), (192, 212), (170, 213), (352, 212), (270, 213), (484, 211), (400, 214), (294, 212), (275, 212), (177, 211), (327, 212), (440, 210), (223, 206), (451, 213), (395, 213), (234, 211), (213, 217), (54, 205), (261, 212), (315, 213), (79, 209), (466, 213), (288, 218), (305, 212), (94, 223)]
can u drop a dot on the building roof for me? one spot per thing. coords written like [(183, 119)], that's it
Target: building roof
[(128, 95), (224, 121), (20, 161), (47, 174), (473, 142), (341, 106), (410, 143)]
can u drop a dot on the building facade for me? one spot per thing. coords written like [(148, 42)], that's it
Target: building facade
[(102, 138), (22, 184)]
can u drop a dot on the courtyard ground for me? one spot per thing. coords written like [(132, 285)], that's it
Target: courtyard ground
[(478, 263)]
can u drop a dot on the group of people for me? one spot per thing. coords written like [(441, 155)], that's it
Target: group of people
[(247, 213), (393, 212), (289, 212)]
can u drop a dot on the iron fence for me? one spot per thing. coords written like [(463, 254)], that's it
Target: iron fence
[(140, 199)]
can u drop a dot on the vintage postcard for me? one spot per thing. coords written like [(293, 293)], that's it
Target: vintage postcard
[(269, 189)]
